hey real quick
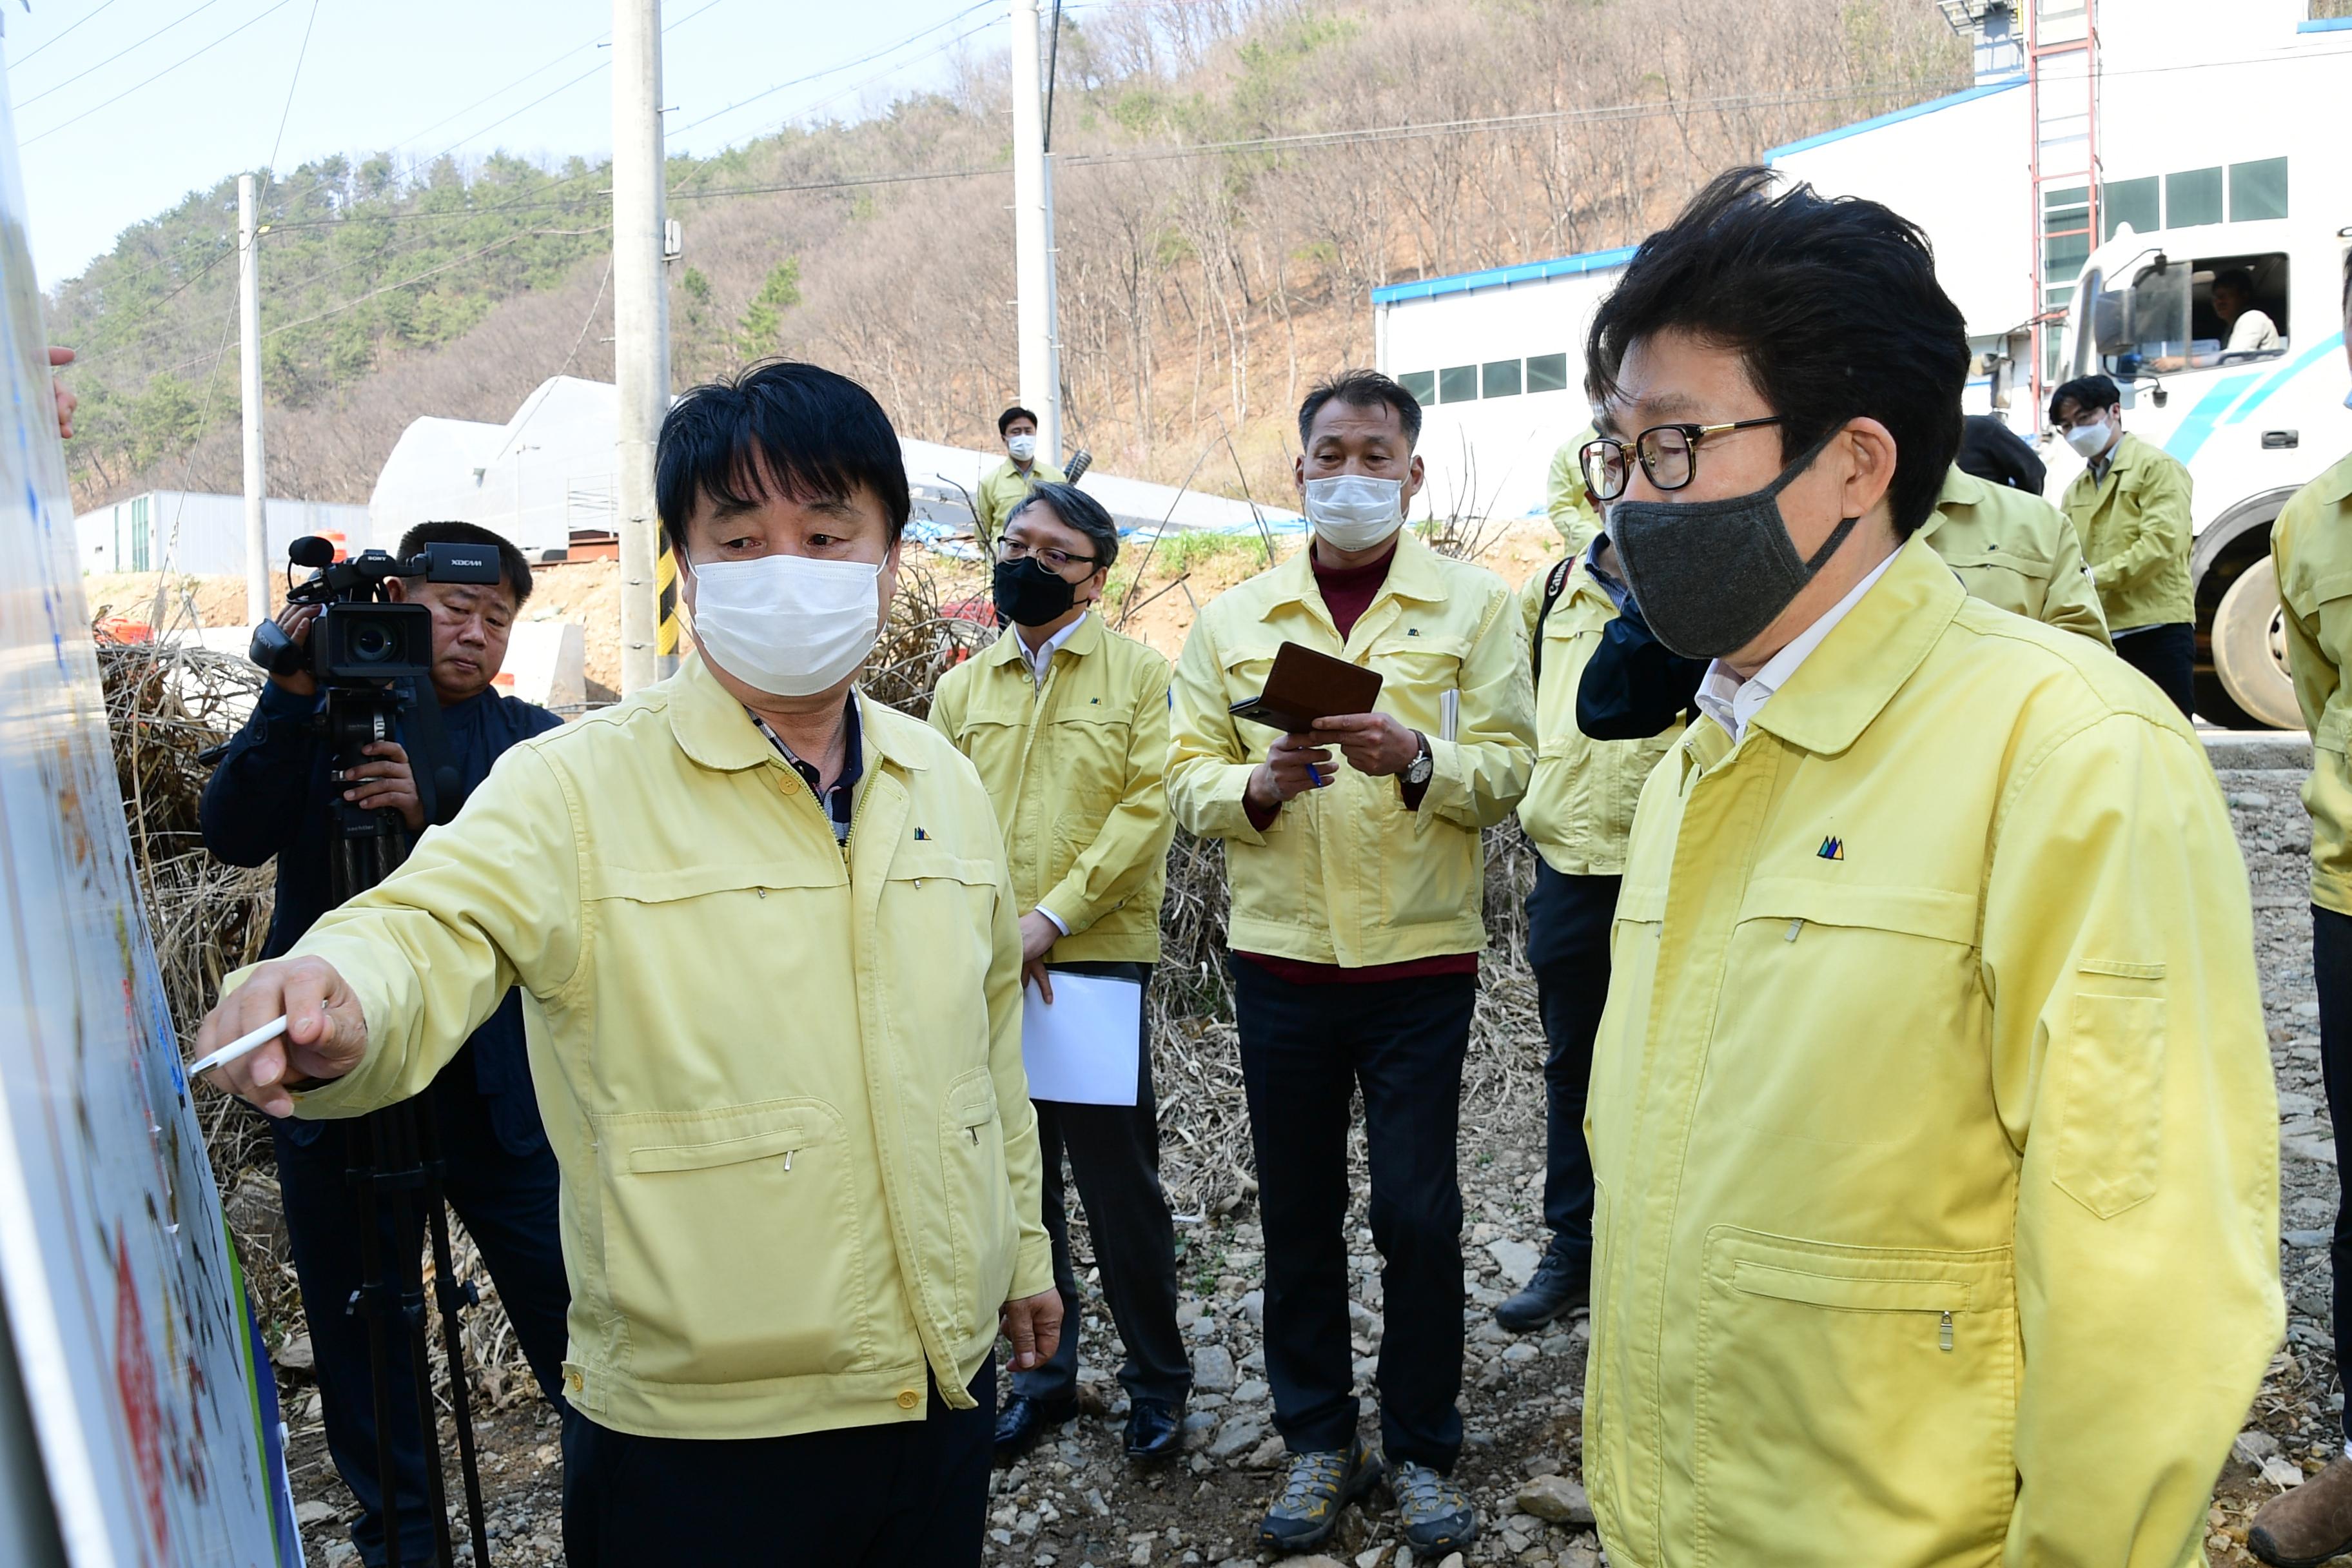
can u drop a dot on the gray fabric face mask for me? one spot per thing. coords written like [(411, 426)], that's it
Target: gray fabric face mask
[(1710, 575)]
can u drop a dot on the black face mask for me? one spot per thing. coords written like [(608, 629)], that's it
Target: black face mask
[(1027, 594), (1710, 575)]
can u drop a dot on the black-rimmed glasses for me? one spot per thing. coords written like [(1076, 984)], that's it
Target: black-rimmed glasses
[(1055, 561), (1668, 455)]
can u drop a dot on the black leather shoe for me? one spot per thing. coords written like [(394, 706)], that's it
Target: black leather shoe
[(1024, 1420), (1562, 1283), (1153, 1430)]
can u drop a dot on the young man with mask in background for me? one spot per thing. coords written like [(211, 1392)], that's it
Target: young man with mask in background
[(1068, 722), (1934, 1042), (2129, 507), (1357, 886), (768, 926), (1008, 484), (2311, 546)]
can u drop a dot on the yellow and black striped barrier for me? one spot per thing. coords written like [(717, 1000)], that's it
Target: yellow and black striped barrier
[(665, 636)]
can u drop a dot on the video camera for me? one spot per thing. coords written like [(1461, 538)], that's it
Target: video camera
[(360, 634)]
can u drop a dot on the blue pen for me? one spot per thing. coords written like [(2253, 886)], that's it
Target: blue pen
[(1314, 775)]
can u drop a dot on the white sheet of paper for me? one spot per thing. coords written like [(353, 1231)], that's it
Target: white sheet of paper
[(1084, 1048)]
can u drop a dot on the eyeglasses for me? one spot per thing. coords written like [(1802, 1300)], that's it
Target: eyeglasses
[(1055, 561), (1668, 455)]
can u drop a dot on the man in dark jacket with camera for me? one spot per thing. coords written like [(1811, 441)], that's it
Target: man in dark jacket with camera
[(273, 795)]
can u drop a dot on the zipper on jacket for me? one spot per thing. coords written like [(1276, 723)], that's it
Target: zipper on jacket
[(788, 1165), (1943, 1329), (1794, 927)]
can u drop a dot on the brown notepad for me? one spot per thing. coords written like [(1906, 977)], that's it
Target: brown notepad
[(1305, 686)]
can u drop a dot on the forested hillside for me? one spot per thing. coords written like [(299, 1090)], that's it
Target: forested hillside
[(1232, 177)]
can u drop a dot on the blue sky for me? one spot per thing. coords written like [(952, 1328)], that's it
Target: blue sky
[(421, 77)]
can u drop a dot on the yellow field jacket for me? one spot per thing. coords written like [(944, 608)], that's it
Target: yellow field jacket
[(1005, 487), (2136, 530), (1564, 495), (2311, 545), (1579, 802), (1075, 768), (781, 1077), (1346, 874), (2013, 548), (1932, 1116)]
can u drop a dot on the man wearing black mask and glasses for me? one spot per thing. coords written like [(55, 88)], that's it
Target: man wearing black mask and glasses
[(1934, 1044), (1068, 722)]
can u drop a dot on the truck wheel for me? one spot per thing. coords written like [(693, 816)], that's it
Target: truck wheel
[(2249, 649)]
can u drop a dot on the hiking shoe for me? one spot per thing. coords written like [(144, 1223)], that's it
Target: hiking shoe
[(1433, 1513), (1319, 1488), (2309, 1524), (1562, 1283)]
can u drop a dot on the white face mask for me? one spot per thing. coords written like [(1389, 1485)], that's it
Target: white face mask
[(1355, 511), (787, 625), (1023, 448), (2089, 440)]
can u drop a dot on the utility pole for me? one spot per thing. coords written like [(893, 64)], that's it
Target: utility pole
[(640, 327), (1033, 238), (248, 358)]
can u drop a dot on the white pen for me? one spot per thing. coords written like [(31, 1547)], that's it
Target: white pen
[(241, 1046)]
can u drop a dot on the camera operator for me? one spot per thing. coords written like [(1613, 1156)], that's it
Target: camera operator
[(273, 795)]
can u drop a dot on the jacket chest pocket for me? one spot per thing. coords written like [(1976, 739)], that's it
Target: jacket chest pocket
[(982, 1228), (1417, 671), (1089, 768), (733, 1250), (1854, 1404), (938, 923)]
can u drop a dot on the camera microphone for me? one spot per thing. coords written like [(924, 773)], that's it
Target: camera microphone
[(312, 552)]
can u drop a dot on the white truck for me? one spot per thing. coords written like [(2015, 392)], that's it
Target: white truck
[(2253, 426)]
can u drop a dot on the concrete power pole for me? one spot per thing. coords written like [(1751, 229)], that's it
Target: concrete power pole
[(1032, 239), (248, 359), (640, 327)]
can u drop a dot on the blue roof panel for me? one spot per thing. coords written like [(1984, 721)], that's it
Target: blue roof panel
[(1966, 95), (1503, 277)]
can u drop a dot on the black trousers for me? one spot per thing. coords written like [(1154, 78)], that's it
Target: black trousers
[(908, 1494), (1568, 947), (1114, 1153), (1304, 1050), (2331, 966), (508, 1204), (2166, 655)]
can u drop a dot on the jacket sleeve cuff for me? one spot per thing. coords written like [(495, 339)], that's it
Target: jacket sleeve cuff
[(1033, 1271), (1226, 811)]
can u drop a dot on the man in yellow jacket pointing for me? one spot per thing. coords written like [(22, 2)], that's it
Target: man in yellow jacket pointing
[(1931, 1114), (767, 947)]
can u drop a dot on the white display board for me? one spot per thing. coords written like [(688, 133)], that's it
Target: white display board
[(127, 1317)]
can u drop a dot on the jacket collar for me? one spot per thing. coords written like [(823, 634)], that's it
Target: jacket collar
[(1960, 488), (2334, 485), (717, 732), (1085, 639), (1415, 573), (1847, 682)]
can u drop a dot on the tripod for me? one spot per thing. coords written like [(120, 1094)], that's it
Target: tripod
[(392, 1156)]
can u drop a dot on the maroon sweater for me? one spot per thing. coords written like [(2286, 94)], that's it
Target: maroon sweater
[(1347, 593)]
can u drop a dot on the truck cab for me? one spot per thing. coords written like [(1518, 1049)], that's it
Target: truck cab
[(2254, 410)]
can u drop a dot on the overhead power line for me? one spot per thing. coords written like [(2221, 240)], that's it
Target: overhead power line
[(158, 75), (88, 17), (54, 87)]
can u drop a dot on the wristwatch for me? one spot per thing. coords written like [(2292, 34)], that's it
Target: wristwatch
[(1422, 765)]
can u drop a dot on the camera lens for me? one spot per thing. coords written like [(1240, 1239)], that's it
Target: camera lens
[(371, 644)]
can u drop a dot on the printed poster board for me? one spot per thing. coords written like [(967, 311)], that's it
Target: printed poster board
[(128, 1321)]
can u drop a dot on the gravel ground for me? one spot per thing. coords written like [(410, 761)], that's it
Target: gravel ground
[(1075, 1500)]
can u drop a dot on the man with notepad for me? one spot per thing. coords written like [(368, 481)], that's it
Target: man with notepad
[(1067, 721), (1353, 853)]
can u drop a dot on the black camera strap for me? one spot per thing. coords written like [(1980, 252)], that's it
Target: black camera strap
[(439, 789)]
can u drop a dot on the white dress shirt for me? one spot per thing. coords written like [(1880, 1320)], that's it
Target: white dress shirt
[(1041, 657), (1732, 702)]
